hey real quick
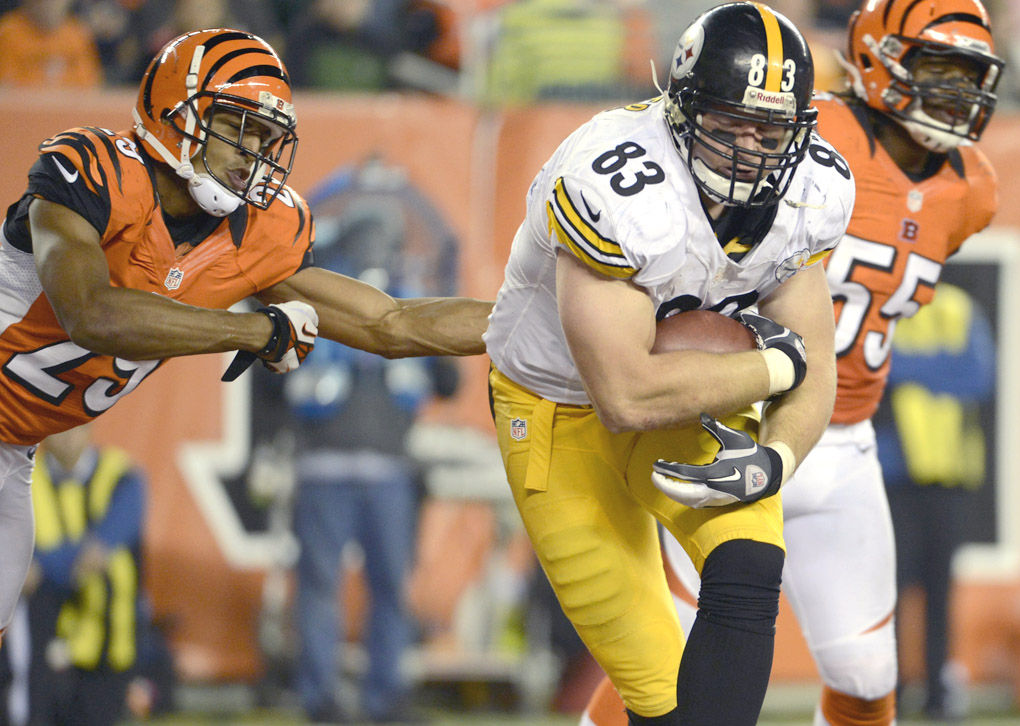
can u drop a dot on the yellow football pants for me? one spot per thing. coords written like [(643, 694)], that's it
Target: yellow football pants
[(589, 506)]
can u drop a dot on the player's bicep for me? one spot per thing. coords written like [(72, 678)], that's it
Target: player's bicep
[(609, 325), (68, 257), (804, 304)]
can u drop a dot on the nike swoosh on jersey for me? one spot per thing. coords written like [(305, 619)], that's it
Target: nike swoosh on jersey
[(595, 216), (68, 176)]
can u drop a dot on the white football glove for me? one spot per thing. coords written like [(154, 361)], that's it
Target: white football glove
[(743, 471), (295, 326)]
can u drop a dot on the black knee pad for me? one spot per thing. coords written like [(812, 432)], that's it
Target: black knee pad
[(740, 585)]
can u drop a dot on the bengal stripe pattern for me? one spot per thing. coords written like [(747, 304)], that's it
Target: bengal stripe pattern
[(75, 144), (238, 56), (229, 57), (950, 15), (584, 241)]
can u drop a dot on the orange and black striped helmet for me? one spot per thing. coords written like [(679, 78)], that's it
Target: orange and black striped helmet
[(886, 38), (205, 71)]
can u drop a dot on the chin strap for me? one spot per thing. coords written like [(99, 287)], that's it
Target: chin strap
[(209, 194)]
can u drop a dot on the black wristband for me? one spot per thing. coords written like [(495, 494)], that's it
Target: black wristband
[(276, 346)]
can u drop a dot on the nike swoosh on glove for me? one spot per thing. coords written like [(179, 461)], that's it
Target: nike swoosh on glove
[(295, 327), (743, 471)]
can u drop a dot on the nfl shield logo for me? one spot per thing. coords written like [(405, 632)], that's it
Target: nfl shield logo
[(756, 480), (173, 278), (518, 429)]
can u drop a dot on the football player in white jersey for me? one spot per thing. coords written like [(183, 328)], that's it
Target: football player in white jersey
[(719, 196), (923, 78)]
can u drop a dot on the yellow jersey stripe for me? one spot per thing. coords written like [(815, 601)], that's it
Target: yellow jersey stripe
[(617, 271), (774, 43), (817, 257), (736, 245), (583, 241), (588, 233)]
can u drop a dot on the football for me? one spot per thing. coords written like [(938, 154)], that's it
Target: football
[(702, 330)]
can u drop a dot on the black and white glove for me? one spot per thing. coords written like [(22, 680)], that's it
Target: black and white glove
[(771, 336), (295, 325), (743, 471)]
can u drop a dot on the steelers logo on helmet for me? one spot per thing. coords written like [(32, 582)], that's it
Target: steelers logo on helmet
[(688, 50), (206, 76), (740, 112), (930, 64)]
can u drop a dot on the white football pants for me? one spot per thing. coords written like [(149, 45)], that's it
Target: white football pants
[(17, 526)]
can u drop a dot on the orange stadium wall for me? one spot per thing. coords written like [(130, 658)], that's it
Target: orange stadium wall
[(476, 167)]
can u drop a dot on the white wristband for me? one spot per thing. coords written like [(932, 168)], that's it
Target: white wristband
[(786, 454), (781, 371)]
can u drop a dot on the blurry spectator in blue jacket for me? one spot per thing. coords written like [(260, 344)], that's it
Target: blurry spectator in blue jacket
[(349, 414)]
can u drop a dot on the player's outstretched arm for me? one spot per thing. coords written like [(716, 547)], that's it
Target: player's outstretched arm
[(357, 314), (120, 321)]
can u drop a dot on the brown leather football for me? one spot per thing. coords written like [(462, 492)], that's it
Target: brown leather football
[(702, 330)]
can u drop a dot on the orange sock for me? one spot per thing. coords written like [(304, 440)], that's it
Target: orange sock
[(605, 707), (839, 709)]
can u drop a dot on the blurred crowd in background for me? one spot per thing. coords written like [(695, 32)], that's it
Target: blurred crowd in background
[(487, 52), (494, 52)]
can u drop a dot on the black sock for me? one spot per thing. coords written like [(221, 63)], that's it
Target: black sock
[(727, 660)]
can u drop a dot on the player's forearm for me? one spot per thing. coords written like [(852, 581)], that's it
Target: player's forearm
[(435, 326), (798, 418), (136, 325), (674, 389)]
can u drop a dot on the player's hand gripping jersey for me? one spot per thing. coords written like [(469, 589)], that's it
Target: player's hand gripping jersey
[(47, 383), (618, 196), (901, 234)]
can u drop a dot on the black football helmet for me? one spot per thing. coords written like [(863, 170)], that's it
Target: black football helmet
[(749, 63)]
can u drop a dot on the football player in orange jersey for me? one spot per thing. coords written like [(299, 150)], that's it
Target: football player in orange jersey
[(127, 248), (922, 82)]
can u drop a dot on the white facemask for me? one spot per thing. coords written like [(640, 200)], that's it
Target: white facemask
[(931, 134)]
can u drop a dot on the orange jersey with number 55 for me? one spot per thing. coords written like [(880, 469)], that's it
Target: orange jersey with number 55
[(48, 383), (900, 235)]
